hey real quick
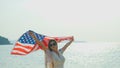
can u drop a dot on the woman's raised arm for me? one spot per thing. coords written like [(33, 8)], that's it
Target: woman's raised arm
[(37, 41), (67, 44)]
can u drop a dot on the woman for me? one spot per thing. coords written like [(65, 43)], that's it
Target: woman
[(54, 57)]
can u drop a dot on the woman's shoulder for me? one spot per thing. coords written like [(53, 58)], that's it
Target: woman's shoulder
[(61, 51), (48, 53)]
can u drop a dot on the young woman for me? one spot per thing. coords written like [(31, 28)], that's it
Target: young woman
[(53, 56)]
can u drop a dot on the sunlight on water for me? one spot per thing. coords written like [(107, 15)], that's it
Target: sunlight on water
[(93, 55), (93, 47), (78, 55)]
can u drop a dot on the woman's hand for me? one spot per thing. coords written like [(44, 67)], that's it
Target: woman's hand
[(32, 34), (67, 44), (37, 41), (72, 39)]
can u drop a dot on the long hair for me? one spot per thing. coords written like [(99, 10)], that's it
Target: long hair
[(49, 44)]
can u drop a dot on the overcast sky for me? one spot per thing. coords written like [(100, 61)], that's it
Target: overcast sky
[(86, 20)]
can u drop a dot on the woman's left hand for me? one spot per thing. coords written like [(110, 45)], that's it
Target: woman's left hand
[(72, 38)]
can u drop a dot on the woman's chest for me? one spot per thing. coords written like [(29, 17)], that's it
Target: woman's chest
[(58, 57)]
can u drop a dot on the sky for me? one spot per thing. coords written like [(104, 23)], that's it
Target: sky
[(86, 20)]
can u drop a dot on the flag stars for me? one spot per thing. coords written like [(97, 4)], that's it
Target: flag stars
[(20, 41), (32, 42), (27, 41), (22, 38), (23, 41), (26, 38)]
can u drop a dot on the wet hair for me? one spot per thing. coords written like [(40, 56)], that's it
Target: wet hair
[(49, 44)]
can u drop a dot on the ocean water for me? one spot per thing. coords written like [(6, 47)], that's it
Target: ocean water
[(78, 55)]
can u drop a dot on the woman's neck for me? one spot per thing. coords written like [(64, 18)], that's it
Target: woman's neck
[(56, 51)]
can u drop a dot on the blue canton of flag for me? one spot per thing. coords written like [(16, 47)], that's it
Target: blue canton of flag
[(27, 39)]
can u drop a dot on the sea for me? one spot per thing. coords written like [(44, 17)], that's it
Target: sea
[(77, 55)]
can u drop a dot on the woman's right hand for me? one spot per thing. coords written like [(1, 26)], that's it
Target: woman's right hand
[(32, 34), (37, 41)]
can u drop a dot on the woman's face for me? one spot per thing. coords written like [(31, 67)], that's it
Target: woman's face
[(54, 46)]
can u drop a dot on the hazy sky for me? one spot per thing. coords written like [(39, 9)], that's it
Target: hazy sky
[(86, 20)]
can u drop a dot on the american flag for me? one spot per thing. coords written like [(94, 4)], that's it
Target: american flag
[(26, 44)]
